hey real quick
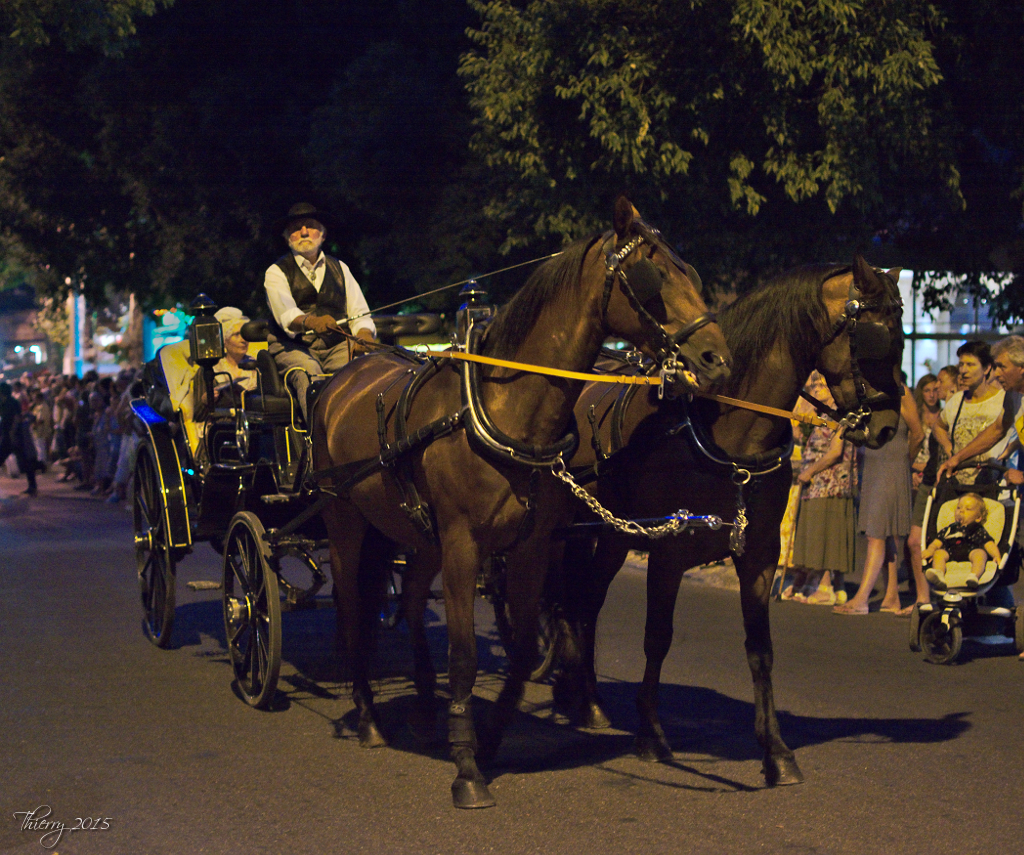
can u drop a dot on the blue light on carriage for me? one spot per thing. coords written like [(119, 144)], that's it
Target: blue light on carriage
[(148, 414)]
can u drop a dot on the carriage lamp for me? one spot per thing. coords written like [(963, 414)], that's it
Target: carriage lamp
[(205, 336), (474, 310)]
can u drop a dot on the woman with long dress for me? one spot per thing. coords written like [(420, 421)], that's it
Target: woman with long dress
[(825, 538), (885, 510)]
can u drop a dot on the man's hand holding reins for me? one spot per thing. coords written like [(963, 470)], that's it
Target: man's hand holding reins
[(358, 348), (320, 324)]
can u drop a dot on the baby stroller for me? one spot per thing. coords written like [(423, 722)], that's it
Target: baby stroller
[(939, 627)]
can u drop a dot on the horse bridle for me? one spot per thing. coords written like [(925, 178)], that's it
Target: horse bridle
[(667, 346), (870, 341)]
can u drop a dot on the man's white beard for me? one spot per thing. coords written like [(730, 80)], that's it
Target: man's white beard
[(304, 245)]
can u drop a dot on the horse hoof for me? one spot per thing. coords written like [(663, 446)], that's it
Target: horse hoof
[(782, 772), (651, 749), (469, 795), (594, 717), (370, 736)]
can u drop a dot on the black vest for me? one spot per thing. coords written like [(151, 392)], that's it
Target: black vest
[(331, 299)]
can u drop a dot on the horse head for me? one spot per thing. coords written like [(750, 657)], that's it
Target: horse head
[(864, 352), (653, 298)]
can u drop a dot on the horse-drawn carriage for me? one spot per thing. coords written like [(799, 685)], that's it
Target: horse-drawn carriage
[(234, 474), (464, 459)]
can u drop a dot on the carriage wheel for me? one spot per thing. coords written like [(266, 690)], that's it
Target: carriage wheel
[(252, 611), (154, 559), (941, 643), (549, 632), (1019, 628)]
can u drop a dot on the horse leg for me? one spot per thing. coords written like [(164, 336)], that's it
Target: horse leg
[(419, 574), (347, 531), (459, 567), (524, 582), (663, 578), (589, 574), (780, 766)]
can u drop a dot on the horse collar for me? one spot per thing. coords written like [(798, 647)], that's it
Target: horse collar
[(487, 439)]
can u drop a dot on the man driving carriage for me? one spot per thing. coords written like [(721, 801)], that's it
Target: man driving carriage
[(309, 293)]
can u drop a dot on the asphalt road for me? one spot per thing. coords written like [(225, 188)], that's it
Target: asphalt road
[(899, 756)]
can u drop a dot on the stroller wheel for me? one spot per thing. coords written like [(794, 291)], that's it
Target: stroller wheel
[(915, 629), (941, 643)]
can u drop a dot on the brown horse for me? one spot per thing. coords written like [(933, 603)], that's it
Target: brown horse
[(712, 458), (467, 460)]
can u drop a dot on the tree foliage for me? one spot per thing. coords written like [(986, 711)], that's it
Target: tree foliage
[(763, 133), (102, 24), (148, 146)]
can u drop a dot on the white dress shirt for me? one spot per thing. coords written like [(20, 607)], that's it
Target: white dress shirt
[(282, 303)]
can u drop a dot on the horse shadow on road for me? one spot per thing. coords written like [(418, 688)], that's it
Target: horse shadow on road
[(702, 725)]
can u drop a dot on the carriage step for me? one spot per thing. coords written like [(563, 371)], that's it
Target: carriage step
[(204, 585), (311, 604), (279, 498)]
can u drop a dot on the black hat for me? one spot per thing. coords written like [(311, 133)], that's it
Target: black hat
[(302, 211)]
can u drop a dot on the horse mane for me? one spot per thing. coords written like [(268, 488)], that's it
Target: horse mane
[(788, 308), (518, 316)]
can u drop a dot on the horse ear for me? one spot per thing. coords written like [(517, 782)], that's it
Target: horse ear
[(625, 213), (863, 273), (895, 273)]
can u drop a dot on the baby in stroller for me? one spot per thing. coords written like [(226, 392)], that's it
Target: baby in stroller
[(965, 539)]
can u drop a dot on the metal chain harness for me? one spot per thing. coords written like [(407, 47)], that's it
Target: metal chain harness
[(677, 523)]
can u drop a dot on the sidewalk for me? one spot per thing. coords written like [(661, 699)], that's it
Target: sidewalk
[(14, 502)]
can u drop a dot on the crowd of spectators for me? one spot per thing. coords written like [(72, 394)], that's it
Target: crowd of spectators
[(80, 426), (943, 415)]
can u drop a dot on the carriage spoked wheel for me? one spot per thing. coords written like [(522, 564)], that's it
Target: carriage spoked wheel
[(941, 643), (252, 611), (154, 557)]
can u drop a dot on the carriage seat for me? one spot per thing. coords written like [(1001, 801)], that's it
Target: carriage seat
[(270, 397), (179, 373), (958, 571)]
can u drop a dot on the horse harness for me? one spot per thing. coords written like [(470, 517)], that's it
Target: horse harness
[(742, 470), (643, 282), (483, 435)]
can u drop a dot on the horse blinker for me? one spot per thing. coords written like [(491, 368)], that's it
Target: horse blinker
[(645, 279)]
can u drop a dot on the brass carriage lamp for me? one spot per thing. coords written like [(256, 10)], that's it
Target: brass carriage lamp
[(474, 310), (205, 336)]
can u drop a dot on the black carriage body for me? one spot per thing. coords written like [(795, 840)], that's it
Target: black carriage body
[(238, 478)]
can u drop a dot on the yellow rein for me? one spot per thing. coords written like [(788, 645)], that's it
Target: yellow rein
[(633, 380)]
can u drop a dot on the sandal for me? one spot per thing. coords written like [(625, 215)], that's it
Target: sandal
[(906, 611), (824, 596)]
